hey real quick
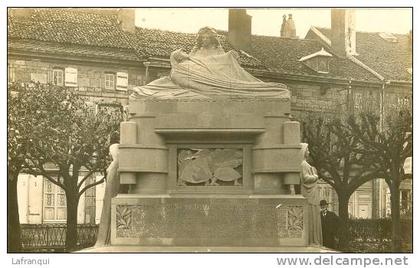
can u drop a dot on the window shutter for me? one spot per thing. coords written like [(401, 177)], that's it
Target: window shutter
[(70, 77), (122, 81)]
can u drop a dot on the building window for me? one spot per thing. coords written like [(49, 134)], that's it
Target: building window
[(90, 202), (110, 81), (58, 77), (318, 61), (11, 73), (403, 102), (323, 66), (405, 202), (358, 101), (54, 202)]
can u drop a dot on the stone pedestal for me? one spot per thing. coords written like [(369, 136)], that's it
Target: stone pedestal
[(168, 144), (209, 221)]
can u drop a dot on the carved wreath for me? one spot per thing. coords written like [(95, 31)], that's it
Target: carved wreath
[(124, 217), (295, 219)]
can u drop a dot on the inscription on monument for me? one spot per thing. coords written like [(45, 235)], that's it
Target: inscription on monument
[(204, 221), (210, 167)]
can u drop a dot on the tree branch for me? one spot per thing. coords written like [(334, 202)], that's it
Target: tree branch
[(43, 172), (85, 178), (90, 186), (359, 181)]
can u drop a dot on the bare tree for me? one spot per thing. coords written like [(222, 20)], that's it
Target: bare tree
[(334, 151), (17, 140), (387, 147), (67, 134)]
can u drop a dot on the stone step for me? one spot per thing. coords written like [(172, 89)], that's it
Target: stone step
[(172, 249)]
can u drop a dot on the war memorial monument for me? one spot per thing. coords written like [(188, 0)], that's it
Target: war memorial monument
[(211, 159)]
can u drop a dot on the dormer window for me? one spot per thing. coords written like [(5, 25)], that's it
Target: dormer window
[(410, 71), (389, 37), (318, 61)]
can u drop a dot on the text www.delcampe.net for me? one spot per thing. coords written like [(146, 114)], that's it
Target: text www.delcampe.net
[(332, 260)]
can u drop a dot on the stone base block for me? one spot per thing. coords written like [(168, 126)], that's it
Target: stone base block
[(209, 221)]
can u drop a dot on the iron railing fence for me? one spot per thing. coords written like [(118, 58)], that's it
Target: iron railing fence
[(364, 235), (52, 237)]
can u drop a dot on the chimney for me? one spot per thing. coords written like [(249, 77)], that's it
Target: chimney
[(343, 32), (288, 29), (239, 26), (126, 18), (283, 27), (291, 29)]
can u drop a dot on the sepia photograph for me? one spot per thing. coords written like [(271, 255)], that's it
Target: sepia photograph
[(210, 130)]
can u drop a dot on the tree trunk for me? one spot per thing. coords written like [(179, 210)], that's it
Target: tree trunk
[(395, 216), (343, 205), (343, 211), (14, 243), (71, 231)]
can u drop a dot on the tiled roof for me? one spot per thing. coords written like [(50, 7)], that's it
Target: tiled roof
[(267, 52), (65, 49), (69, 26), (72, 29), (73, 26), (158, 43), (389, 59), (283, 54)]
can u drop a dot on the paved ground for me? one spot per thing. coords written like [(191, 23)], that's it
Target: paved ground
[(142, 249)]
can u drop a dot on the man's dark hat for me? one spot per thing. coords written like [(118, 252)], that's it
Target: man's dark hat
[(323, 202)]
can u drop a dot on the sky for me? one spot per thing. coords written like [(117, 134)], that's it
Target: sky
[(268, 21)]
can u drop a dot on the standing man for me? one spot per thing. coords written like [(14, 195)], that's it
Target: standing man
[(330, 223)]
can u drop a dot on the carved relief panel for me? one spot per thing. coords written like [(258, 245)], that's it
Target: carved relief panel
[(210, 167), (207, 167)]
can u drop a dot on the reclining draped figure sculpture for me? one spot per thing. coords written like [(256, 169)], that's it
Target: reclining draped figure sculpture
[(209, 72)]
